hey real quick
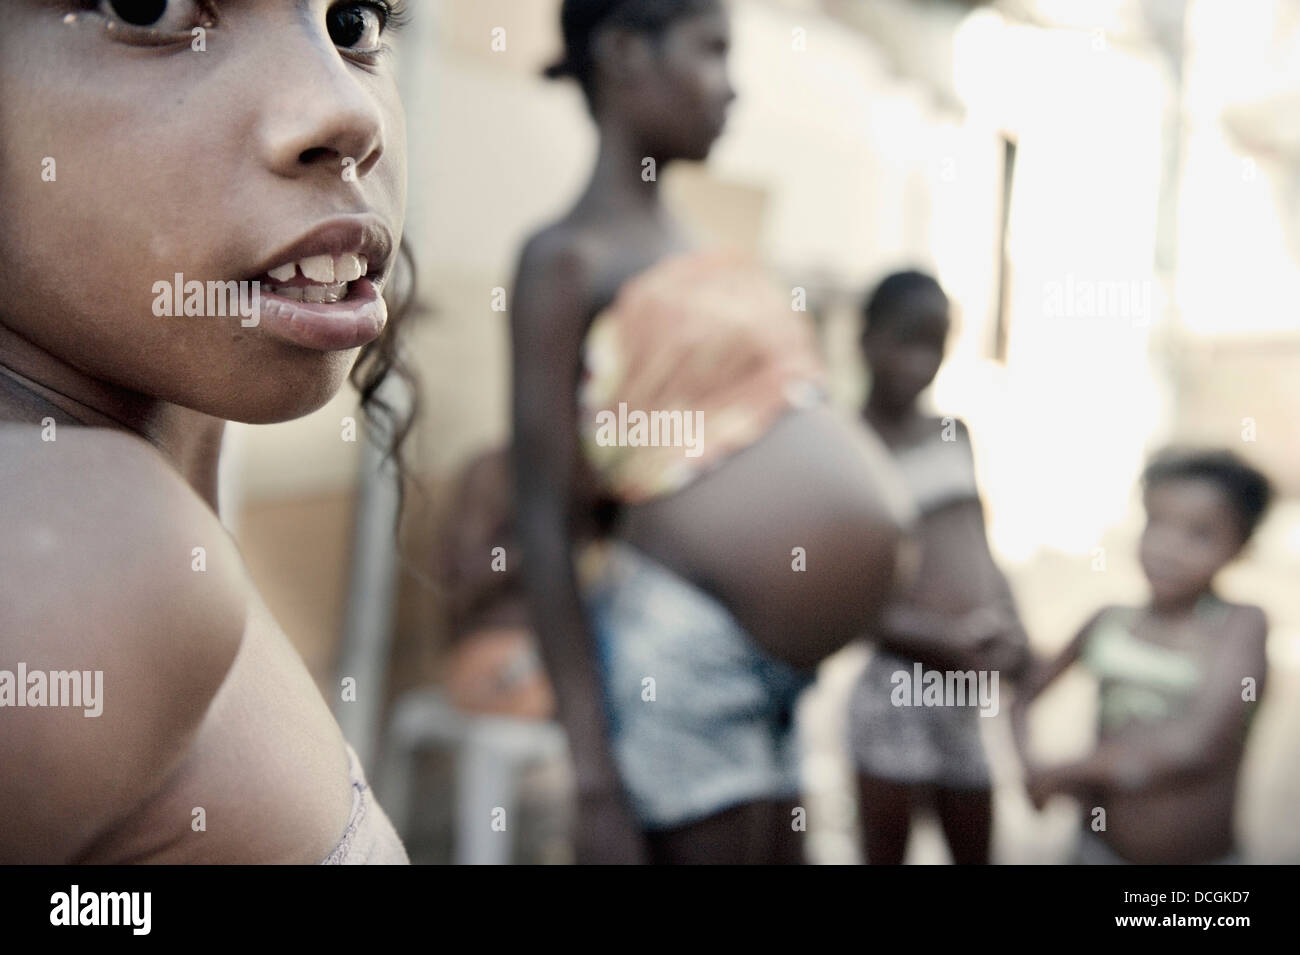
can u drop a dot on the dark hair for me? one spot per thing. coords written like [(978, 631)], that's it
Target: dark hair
[(581, 20), (390, 425), (1247, 489), (886, 300)]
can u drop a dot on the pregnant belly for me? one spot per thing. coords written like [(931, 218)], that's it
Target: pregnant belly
[(797, 534)]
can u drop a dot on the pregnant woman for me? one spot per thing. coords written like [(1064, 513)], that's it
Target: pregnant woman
[(212, 744), (732, 569)]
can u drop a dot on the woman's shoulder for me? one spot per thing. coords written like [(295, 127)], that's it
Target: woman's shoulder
[(563, 247), (114, 568), (557, 287), (594, 264)]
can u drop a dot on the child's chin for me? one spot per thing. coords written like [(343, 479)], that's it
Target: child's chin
[(1167, 592), (278, 412), (273, 402)]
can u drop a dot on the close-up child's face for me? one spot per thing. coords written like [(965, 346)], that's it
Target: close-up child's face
[(1191, 532), (217, 141), (905, 354)]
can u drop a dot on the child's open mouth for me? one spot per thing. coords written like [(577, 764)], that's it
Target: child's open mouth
[(324, 302), (320, 293), (320, 278)]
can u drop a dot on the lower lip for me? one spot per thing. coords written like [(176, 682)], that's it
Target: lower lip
[(335, 326)]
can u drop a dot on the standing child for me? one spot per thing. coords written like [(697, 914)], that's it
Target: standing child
[(221, 170), (1179, 678), (957, 614)]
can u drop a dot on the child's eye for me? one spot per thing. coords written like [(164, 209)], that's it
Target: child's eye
[(161, 17), (358, 27)]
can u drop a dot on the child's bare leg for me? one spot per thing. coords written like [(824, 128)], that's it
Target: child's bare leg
[(967, 819), (756, 833), (885, 813)]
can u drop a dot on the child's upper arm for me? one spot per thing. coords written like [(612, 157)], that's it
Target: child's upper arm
[(1237, 674), (1252, 638)]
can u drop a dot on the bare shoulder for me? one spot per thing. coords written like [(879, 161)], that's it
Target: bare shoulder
[(1250, 617), (120, 583), (1246, 626), (560, 255), (554, 297), (948, 429), (561, 243)]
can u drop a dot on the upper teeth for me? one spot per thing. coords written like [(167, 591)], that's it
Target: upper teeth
[(326, 269)]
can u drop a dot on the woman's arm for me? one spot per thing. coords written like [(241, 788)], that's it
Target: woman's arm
[(549, 304)]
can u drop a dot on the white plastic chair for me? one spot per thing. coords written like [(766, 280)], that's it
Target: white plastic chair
[(491, 755)]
